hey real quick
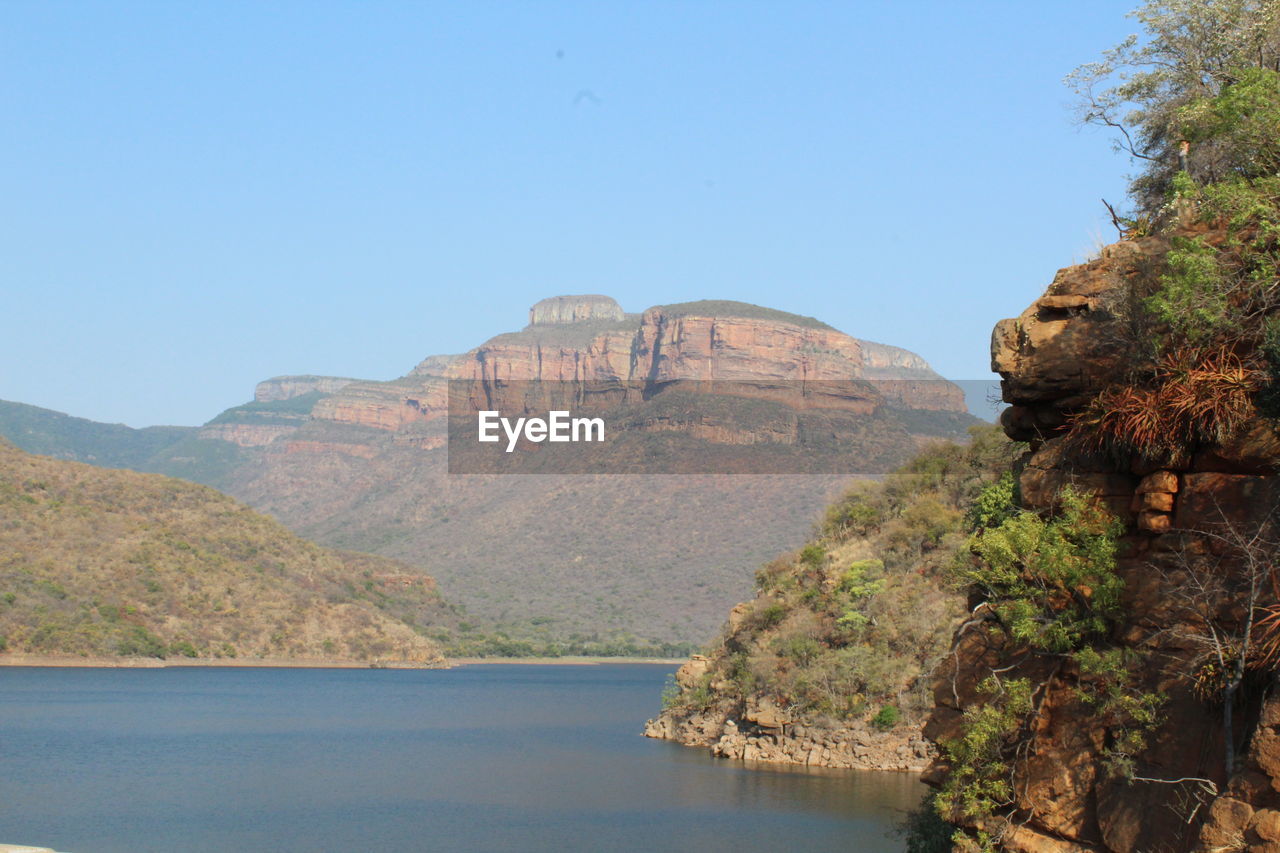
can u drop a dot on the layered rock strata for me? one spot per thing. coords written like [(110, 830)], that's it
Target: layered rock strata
[(1058, 354)]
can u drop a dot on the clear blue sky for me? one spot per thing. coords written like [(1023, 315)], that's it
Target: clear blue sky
[(197, 196)]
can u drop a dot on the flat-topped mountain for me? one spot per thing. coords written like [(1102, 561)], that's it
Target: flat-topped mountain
[(361, 464)]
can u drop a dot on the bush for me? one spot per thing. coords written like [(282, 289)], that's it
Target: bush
[(771, 615), (886, 718), (1051, 583)]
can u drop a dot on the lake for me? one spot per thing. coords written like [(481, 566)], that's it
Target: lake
[(478, 758)]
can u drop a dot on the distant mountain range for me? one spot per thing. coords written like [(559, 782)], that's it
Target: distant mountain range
[(361, 464)]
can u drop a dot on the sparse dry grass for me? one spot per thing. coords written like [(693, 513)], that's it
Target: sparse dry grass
[(112, 562)]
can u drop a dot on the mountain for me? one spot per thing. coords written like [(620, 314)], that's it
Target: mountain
[(62, 436), (97, 562), (576, 555)]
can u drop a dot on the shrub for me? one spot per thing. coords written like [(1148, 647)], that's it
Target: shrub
[(886, 718), (981, 777), (813, 556), (994, 504), (1192, 398), (137, 641), (770, 615), (1051, 583)]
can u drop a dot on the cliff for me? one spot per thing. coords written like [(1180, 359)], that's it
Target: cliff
[(288, 387), (1186, 462)]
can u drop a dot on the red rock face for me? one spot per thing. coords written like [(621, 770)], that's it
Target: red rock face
[(247, 435), (288, 387), (1061, 351), (591, 341)]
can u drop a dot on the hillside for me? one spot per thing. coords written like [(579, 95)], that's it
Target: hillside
[(51, 433), (98, 562), (641, 561), (831, 663)]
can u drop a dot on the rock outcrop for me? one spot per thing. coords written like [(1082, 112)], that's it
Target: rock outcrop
[(560, 310), (247, 435), (1058, 354), (759, 730), (288, 387)]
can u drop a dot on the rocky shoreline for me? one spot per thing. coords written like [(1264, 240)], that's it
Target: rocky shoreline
[(851, 746), (758, 730)]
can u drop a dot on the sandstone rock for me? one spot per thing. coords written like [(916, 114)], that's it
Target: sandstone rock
[(1063, 302), (1224, 829), (690, 674), (1024, 839), (1207, 498), (738, 615), (1154, 522), (574, 309), (247, 435), (1266, 824), (766, 714), (660, 728), (288, 387), (1156, 501), (1254, 449), (1158, 481)]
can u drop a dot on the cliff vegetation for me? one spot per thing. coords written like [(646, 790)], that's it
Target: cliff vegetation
[(843, 635)]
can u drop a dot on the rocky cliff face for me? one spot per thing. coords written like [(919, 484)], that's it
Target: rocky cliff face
[(366, 468), (1064, 349), (288, 387), (559, 310), (589, 338)]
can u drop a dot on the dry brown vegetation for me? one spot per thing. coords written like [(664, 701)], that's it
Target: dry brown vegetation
[(853, 623), (112, 562)]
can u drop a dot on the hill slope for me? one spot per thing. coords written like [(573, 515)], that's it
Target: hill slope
[(101, 562), (830, 664)]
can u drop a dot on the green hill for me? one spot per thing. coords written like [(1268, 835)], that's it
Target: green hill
[(51, 433)]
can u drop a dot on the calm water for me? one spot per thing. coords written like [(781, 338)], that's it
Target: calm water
[(522, 758)]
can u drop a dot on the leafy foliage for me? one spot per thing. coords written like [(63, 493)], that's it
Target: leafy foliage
[(851, 624), (1152, 91), (1051, 583), (981, 777)]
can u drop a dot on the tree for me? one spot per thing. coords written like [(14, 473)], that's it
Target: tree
[(1224, 597), (1191, 51)]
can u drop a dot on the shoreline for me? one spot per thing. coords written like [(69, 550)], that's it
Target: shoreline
[(567, 660), (74, 661)]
